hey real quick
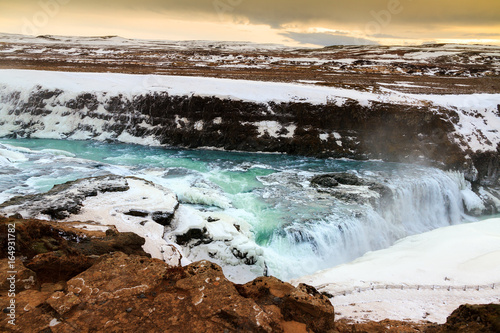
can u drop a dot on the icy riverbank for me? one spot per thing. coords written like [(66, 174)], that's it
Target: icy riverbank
[(421, 277)]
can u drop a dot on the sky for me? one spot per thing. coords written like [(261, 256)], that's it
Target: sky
[(289, 22)]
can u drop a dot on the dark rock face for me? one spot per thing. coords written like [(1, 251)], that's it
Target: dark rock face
[(330, 183), (334, 179), (66, 199), (194, 236), (385, 131), (324, 181), (472, 319), (488, 167)]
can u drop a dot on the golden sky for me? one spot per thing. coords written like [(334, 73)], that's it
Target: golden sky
[(290, 22)]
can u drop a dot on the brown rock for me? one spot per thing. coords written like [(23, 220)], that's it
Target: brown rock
[(383, 326), (59, 265), (26, 301), (80, 291), (217, 298), (118, 275), (472, 319), (53, 287), (303, 304), (24, 277), (306, 305), (62, 303)]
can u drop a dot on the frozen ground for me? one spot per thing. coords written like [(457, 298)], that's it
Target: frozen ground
[(413, 69), (476, 127), (421, 277)]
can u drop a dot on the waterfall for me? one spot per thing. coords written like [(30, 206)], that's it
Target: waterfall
[(420, 201)]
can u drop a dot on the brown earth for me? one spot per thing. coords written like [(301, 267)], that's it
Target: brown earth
[(71, 280), (368, 67)]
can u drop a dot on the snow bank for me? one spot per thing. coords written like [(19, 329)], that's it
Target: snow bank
[(420, 277), (110, 209), (475, 129)]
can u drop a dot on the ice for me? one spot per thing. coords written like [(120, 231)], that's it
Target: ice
[(228, 242), (109, 208), (12, 156), (432, 272)]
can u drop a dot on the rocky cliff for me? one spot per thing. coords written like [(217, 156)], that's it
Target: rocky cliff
[(388, 131)]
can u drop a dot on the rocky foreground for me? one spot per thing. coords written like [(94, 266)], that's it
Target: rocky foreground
[(71, 280)]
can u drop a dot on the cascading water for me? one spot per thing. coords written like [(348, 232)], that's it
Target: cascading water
[(299, 228), (421, 199)]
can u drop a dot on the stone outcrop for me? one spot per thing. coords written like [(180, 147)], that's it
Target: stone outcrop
[(471, 319), (117, 292), (65, 199), (114, 291)]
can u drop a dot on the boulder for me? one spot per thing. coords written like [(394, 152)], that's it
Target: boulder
[(472, 319), (334, 179)]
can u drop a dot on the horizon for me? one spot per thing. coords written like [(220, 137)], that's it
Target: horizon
[(295, 24), (104, 37)]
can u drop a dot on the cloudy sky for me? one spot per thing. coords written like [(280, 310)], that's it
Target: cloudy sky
[(291, 22)]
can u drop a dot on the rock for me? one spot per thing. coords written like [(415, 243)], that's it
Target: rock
[(137, 213), (346, 178), (488, 167), (63, 302), (386, 194), (64, 199), (419, 133), (300, 305), (471, 319), (53, 287), (59, 265), (121, 292), (334, 179), (195, 236), (135, 293), (383, 326), (126, 242), (325, 181), (306, 305), (163, 218), (24, 278), (55, 252)]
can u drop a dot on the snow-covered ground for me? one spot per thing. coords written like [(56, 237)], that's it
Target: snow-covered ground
[(117, 41), (421, 277)]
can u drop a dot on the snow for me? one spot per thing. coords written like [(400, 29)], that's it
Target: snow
[(431, 273), (112, 83), (116, 41), (109, 208), (402, 84), (255, 91), (228, 236), (429, 54), (478, 113), (11, 155)]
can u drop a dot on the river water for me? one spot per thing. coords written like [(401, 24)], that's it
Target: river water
[(300, 228)]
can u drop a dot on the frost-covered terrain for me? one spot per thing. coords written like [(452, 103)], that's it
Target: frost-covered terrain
[(476, 122), (422, 277), (129, 107), (422, 69)]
